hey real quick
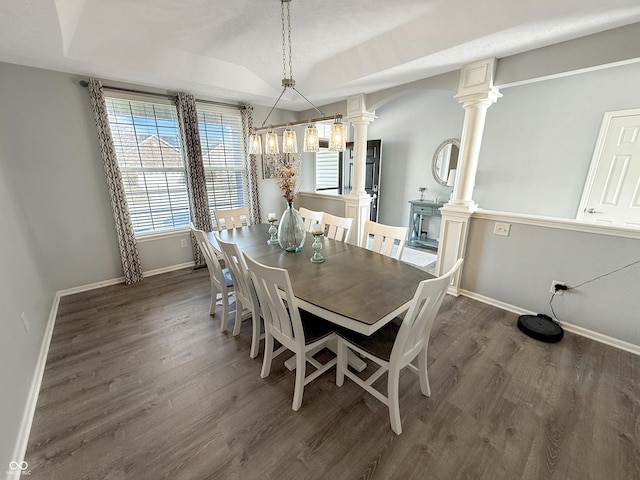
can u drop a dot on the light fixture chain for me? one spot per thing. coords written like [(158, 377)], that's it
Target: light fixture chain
[(289, 32), (284, 48)]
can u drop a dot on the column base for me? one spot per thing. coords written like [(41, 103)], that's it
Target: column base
[(454, 231), (358, 207)]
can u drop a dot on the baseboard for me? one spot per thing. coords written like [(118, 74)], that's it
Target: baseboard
[(118, 280), (598, 337), (171, 268), (22, 441)]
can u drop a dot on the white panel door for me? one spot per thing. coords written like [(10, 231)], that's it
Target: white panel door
[(612, 190)]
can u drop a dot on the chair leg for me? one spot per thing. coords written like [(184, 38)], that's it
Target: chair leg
[(425, 388), (214, 298), (268, 355), (300, 374), (238, 321), (224, 324), (394, 400), (255, 335), (341, 364)]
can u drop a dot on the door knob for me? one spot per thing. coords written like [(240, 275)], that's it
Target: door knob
[(592, 210)]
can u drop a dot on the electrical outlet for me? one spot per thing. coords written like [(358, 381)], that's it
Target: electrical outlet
[(501, 229), (25, 322), (183, 242), (553, 287)]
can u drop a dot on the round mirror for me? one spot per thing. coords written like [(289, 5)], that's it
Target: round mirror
[(445, 160)]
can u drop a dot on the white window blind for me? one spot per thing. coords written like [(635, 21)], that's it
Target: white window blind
[(149, 152), (223, 156), (327, 169)]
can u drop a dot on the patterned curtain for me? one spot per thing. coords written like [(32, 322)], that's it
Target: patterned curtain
[(196, 182), (247, 126), (126, 238)]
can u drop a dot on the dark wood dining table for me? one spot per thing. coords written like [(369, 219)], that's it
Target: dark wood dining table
[(354, 287)]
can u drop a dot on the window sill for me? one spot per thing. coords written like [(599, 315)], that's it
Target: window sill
[(174, 232)]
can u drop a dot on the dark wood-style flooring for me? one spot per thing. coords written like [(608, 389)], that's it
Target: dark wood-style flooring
[(141, 384)]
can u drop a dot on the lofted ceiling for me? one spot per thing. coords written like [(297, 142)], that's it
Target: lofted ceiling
[(233, 50)]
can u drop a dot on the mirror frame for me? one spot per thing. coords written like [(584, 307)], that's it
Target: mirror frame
[(434, 163)]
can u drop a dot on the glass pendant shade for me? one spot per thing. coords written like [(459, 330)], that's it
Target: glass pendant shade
[(289, 141), (256, 144), (337, 137), (271, 144), (311, 141)]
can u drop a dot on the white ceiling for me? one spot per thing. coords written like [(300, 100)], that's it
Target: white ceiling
[(233, 49)]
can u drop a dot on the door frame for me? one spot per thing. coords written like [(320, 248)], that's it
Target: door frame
[(597, 153)]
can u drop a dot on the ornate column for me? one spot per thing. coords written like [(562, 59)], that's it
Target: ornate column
[(476, 93), (358, 202)]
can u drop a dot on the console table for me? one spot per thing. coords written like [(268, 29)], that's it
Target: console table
[(422, 210)]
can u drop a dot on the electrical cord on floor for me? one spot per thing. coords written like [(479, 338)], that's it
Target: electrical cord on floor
[(553, 295)]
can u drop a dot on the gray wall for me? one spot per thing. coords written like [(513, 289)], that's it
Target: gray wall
[(53, 161), (411, 128), (518, 270), (536, 151), (23, 288), (539, 140)]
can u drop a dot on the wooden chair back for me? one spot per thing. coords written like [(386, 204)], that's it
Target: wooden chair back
[(384, 239), (232, 218), (311, 217), (414, 333), (337, 228), (278, 304)]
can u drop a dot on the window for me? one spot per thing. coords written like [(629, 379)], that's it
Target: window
[(327, 170), (328, 163), (149, 152), (223, 156)]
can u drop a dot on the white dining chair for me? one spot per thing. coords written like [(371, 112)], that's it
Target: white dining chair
[(295, 329), (384, 238), (310, 217), (232, 218), (221, 281), (246, 296), (337, 228), (396, 345)]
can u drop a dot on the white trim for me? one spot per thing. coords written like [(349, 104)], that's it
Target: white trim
[(157, 235), (22, 441), (117, 280), (170, 268), (559, 223), (583, 332), (90, 286)]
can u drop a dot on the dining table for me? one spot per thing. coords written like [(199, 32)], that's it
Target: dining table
[(354, 287)]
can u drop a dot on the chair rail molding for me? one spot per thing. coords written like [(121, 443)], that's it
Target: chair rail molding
[(476, 93)]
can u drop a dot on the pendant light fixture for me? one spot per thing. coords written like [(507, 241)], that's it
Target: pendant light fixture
[(271, 143), (311, 140), (337, 137), (289, 142)]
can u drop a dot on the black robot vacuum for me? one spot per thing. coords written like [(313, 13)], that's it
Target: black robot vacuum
[(541, 327)]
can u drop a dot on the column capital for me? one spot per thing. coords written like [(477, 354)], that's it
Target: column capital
[(484, 98), (357, 110), (364, 118), (476, 83)]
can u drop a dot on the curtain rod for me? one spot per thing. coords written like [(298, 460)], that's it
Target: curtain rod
[(85, 84)]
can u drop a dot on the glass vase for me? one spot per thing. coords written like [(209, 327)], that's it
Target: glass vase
[(291, 231)]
